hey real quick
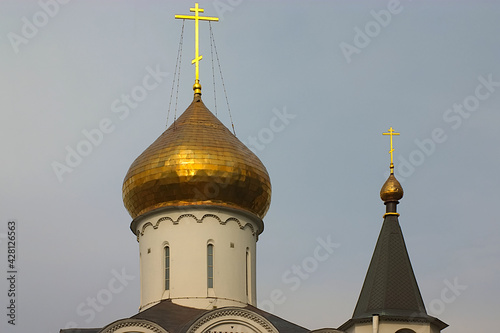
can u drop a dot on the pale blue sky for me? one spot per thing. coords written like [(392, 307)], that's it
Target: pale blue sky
[(327, 162)]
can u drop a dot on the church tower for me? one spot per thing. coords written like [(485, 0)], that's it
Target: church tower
[(197, 197), (390, 300)]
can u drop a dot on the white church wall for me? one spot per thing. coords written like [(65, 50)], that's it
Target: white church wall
[(188, 232)]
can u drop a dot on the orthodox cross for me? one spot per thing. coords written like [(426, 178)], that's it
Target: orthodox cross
[(197, 57), (391, 133)]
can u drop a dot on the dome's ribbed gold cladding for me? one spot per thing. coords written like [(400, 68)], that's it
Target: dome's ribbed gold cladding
[(197, 161), (391, 190)]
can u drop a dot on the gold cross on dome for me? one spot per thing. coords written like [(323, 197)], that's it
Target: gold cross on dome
[(197, 57), (391, 133)]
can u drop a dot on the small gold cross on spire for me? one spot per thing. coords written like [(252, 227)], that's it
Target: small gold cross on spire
[(391, 133), (197, 57)]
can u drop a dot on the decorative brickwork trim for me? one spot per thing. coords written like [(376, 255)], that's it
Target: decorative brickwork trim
[(175, 222), (133, 324), (242, 316)]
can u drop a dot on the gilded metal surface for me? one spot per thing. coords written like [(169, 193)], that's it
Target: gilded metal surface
[(391, 190), (197, 10), (391, 213), (391, 133), (197, 160)]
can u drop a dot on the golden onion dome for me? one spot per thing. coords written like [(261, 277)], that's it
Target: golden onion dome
[(197, 161), (391, 190)]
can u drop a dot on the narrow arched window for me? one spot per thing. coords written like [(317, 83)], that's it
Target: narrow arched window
[(247, 274), (210, 266), (167, 268)]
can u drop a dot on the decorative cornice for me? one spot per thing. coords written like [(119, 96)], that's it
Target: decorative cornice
[(133, 323), (175, 222), (164, 211), (417, 318), (217, 316)]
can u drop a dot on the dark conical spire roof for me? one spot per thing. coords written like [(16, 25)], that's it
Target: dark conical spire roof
[(390, 287), (390, 290)]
